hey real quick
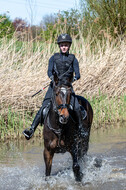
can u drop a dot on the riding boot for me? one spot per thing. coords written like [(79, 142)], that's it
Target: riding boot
[(81, 130), (28, 133)]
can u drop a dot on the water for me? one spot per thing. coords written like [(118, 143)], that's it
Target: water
[(22, 165)]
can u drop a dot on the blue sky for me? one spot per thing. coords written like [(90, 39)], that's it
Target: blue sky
[(34, 10)]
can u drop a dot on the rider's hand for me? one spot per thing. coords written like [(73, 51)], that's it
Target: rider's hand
[(74, 79)]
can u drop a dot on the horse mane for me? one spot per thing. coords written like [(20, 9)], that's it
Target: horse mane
[(64, 82)]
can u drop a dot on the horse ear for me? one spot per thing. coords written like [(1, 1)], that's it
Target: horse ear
[(56, 79)]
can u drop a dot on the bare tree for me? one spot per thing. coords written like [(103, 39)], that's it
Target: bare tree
[(31, 6), (48, 19)]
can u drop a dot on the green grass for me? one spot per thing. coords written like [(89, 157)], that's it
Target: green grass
[(12, 123), (107, 111)]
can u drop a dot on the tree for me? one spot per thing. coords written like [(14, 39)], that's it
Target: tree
[(48, 20), (108, 15), (20, 24), (48, 26), (6, 26), (68, 21), (64, 22)]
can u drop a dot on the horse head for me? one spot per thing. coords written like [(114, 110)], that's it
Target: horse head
[(62, 90)]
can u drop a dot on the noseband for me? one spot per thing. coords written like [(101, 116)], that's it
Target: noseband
[(62, 106)]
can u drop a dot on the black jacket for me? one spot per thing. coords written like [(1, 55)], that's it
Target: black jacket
[(64, 57)]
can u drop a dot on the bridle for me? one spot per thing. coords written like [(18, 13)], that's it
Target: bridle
[(61, 106)]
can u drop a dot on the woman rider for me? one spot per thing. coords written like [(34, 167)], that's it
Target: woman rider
[(62, 63)]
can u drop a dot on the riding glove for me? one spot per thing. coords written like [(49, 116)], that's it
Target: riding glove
[(52, 78)]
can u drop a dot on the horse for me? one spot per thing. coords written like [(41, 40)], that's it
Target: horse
[(60, 130)]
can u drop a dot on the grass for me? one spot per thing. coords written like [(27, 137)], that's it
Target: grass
[(13, 123), (108, 111)]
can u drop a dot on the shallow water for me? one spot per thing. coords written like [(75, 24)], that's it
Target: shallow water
[(22, 165)]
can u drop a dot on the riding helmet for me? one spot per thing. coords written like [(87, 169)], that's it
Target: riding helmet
[(64, 38)]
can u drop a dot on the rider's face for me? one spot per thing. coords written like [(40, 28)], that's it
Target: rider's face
[(64, 46)]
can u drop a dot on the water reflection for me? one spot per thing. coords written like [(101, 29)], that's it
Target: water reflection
[(22, 164)]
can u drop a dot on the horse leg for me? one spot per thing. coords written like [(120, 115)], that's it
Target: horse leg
[(76, 168), (84, 145), (48, 156)]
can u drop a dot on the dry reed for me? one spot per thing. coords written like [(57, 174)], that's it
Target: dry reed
[(24, 71)]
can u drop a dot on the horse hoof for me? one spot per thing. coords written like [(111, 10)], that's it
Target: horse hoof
[(79, 177), (47, 178)]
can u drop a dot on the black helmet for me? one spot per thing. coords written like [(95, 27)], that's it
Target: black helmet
[(64, 38)]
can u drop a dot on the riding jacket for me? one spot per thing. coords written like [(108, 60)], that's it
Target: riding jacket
[(63, 65)]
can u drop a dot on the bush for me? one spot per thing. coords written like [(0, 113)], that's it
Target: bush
[(6, 26)]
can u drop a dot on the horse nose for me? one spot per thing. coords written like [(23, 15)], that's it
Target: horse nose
[(63, 119)]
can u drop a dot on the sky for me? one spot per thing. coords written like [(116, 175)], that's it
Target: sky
[(34, 10)]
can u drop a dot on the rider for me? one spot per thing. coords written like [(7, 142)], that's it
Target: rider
[(62, 63)]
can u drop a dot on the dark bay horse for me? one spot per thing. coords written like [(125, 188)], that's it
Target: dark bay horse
[(61, 129)]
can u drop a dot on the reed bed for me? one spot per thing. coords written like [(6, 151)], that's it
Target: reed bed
[(23, 71)]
